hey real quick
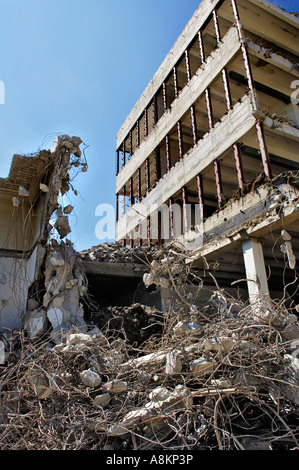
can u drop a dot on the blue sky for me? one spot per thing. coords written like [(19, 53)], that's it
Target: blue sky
[(78, 67)]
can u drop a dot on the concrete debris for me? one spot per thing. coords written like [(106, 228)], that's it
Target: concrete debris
[(23, 192), (90, 378), (117, 253), (36, 323), (102, 400)]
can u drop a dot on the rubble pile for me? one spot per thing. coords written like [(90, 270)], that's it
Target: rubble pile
[(221, 377), (55, 298), (117, 253)]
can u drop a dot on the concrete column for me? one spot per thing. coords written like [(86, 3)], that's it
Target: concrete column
[(255, 270)]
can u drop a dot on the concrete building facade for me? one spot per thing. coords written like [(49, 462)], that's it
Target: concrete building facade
[(209, 154)]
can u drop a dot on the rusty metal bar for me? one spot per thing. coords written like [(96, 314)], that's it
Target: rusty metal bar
[(117, 162), (164, 97), (148, 223), (245, 54), (117, 208), (180, 139), (239, 165), (124, 153), (155, 110), (227, 89), (139, 236), (132, 199), (175, 80), (201, 47), (147, 174), (185, 202), (217, 172), (157, 164), (263, 149), (170, 203), (131, 144), (209, 107), (216, 25), (193, 122), (201, 199), (168, 155), (145, 123), (160, 240), (124, 200), (188, 65), (139, 184), (137, 134)]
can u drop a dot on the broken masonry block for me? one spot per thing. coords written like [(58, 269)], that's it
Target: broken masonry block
[(102, 400), (44, 188), (23, 192), (55, 316), (62, 226), (116, 386), (201, 366), (36, 323), (68, 209), (173, 363), (15, 202), (90, 378)]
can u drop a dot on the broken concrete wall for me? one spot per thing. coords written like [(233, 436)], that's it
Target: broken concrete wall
[(33, 255)]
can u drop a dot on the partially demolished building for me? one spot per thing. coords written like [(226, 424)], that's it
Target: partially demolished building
[(215, 135), (37, 262)]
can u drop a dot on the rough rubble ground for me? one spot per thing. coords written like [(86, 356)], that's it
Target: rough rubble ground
[(223, 376)]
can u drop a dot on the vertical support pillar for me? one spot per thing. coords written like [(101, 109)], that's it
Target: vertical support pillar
[(217, 172), (171, 221), (188, 65), (148, 223), (117, 208), (227, 89), (145, 123), (132, 199), (164, 98), (209, 108), (155, 110), (185, 214), (201, 47), (139, 184), (193, 122), (263, 149), (216, 25), (124, 200), (168, 155), (255, 270), (201, 199), (137, 134), (124, 153), (139, 236), (245, 55), (117, 162), (157, 164), (160, 240), (131, 144), (147, 175), (239, 165), (175, 80), (180, 140)]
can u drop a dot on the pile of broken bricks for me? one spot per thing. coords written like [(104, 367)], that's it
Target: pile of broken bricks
[(229, 382)]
